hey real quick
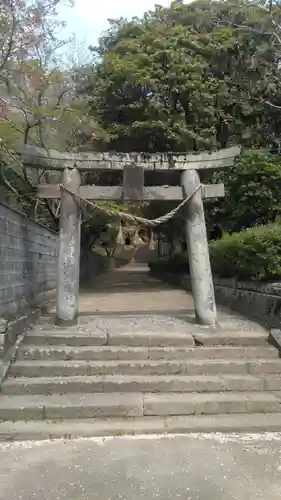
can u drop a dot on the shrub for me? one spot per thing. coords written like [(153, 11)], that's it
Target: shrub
[(252, 254)]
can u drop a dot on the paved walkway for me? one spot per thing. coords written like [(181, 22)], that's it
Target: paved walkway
[(132, 289), (130, 296), (191, 467)]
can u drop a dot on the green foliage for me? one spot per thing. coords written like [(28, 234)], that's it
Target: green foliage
[(252, 192), (253, 254), (39, 101), (188, 77)]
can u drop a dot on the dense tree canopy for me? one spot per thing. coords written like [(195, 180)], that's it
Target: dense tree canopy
[(189, 77)]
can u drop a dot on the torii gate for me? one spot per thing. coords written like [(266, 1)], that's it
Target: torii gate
[(134, 166)]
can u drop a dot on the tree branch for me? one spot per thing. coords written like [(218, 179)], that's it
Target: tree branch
[(11, 39), (272, 105), (6, 182)]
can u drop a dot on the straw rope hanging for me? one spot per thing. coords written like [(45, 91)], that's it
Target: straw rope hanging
[(138, 241), (151, 245), (120, 236)]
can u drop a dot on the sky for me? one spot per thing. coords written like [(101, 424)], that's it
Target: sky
[(88, 18)]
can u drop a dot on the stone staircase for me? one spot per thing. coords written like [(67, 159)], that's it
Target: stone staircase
[(88, 381)]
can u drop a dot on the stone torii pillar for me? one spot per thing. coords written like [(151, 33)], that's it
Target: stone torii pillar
[(198, 252), (69, 251)]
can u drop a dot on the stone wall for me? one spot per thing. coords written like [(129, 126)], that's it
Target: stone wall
[(259, 301), (28, 263)]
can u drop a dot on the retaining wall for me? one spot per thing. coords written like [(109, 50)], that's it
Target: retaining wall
[(28, 267), (259, 301)]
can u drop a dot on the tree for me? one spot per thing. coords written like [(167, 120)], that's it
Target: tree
[(34, 91), (39, 99), (252, 193), (189, 77)]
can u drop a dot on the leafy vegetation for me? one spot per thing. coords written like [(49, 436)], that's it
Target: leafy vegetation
[(252, 254), (252, 189), (189, 77)]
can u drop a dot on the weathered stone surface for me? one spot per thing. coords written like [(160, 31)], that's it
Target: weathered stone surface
[(160, 367), (105, 353), (69, 251), (136, 383), (52, 385), (28, 252), (261, 366), (163, 193), (41, 430), (66, 338), (3, 328), (232, 338), (198, 251), (45, 368), (72, 406), (98, 405), (211, 403), (261, 306), (260, 301), (3, 325), (275, 338), (144, 345), (33, 155), (272, 382), (150, 339), (199, 383)]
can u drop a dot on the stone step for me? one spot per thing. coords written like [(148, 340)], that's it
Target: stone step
[(211, 403), (97, 405), (67, 338), (43, 368), (104, 353), (244, 338), (140, 383), (86, 338), (33, 430)]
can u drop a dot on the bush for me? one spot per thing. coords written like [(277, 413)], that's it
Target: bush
[(252, 254)]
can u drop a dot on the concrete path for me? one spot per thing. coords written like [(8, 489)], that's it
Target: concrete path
[(133, 289), (131, 297), (194, 467)]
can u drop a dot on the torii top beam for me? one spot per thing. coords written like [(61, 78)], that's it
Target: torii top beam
[(35, 157)]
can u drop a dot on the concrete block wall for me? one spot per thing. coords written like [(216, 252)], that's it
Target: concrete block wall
[(28, 263), (261, 301)]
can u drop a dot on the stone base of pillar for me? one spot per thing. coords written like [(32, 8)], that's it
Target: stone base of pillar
[(66, 322)]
